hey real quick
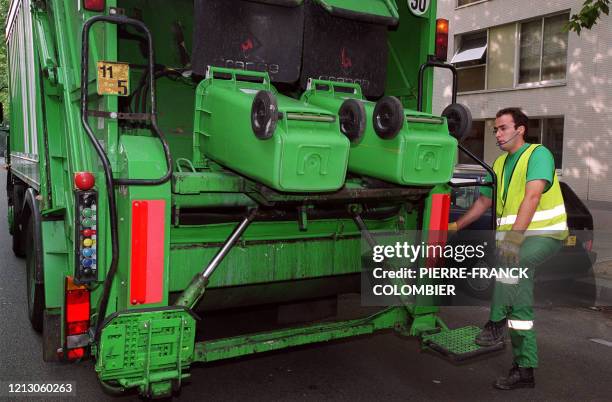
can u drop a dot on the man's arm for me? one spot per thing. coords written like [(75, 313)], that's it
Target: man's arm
[(533, 192), (476, 210)]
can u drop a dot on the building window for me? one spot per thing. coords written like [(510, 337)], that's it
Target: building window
[(466, 2), (474, 142), (543, 49), (549, 132), (471, 62)]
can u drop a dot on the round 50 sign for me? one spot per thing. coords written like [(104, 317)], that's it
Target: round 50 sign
[(418, 7)]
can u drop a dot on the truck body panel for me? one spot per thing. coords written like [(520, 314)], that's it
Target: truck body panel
[(135, 249)]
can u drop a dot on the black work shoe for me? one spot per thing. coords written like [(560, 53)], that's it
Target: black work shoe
[(492, 334), (518, 377)]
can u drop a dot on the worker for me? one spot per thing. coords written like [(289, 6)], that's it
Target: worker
[(531, 224)]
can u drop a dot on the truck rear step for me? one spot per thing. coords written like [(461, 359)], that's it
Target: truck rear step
[(458, 344)]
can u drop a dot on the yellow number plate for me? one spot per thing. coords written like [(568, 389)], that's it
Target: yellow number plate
[(113, 78), (571, 241)]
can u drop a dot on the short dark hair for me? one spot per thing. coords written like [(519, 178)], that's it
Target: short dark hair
[(520, 118)]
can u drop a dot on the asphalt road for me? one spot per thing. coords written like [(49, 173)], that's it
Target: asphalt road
[(379, 367)]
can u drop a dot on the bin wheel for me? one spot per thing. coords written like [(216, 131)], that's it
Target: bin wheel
[(388, 117), (264, 115), (36, 291), (352, 118), (459, 120)]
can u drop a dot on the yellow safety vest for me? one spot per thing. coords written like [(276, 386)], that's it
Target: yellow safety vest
[(549, 220)]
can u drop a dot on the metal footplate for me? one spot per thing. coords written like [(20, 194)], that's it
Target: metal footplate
[(148, 349), (458, 344)]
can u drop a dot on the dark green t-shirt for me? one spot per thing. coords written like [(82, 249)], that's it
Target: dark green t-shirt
[(541, 167)]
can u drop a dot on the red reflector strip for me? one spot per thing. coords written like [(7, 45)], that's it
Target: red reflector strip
[(438, 223), (138, 279), (440, 210), (147, 253)]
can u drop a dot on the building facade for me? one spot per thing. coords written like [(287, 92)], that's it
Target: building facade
[(517, 53)]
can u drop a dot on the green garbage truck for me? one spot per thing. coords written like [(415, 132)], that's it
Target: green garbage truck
[(171, 159)]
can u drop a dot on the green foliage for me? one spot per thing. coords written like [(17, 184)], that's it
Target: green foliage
[(4, 5), (589, 15)]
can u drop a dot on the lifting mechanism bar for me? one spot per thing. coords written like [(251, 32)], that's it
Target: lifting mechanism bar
[(194, 292), (372, 243)]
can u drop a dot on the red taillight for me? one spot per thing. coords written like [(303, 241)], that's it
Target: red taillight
[(76, 328), (94, 5), (441, 39), (84, 180), (588, 245), (74, 354), (77, 320), (77, 305)]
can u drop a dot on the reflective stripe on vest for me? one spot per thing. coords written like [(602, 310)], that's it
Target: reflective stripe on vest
[(550, 218), (520, 325)]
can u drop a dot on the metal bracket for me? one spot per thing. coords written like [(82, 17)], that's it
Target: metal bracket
[(120, 116)]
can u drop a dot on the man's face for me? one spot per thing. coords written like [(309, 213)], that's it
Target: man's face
[(505, 131)]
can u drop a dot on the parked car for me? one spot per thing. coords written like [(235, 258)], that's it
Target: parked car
[(573, 262)]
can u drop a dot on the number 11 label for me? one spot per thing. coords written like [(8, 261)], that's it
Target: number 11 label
[(113, 78)]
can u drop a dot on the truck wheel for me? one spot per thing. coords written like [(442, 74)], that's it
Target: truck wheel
[(480, 288), (18, 229), (36, 291)]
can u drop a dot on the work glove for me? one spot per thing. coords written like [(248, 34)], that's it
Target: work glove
[(452, 227), (509, 247)]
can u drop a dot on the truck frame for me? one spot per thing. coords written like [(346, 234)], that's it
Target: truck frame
[(132, 228)]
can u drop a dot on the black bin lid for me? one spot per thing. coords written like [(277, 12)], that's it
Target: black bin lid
[(345, 46), (264, 35)]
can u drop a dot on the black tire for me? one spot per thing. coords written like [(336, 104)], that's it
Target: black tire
[(388, 118), (18, 226), (459, 120), (35, 291), (479, 288), (352, 118), (264, 115)]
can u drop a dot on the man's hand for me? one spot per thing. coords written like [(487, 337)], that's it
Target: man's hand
[(480, 206), (452, 228), (508, 249)]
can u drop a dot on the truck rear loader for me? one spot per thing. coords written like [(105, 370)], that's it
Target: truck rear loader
[(169, 159)]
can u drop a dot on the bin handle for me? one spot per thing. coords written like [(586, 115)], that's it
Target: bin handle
[(331, 87), (235, 74)]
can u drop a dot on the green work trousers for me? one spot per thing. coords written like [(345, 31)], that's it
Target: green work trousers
[(513, 299)]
